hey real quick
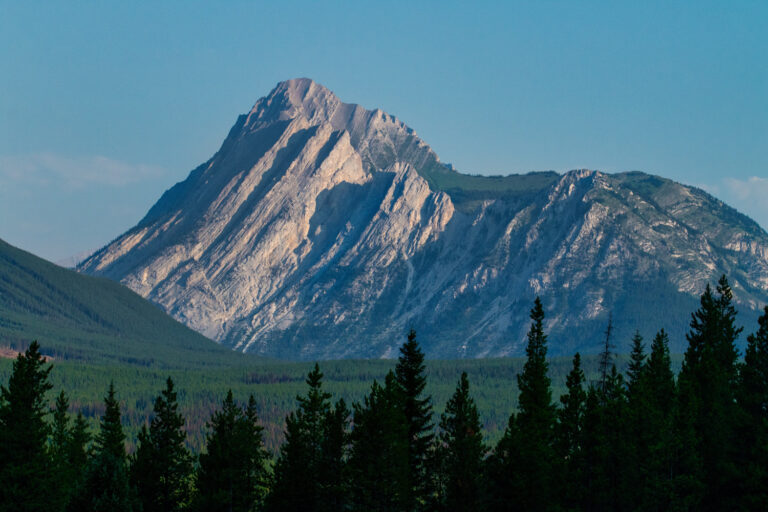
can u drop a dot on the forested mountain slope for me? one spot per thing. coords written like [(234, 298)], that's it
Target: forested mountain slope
[(92, 319)]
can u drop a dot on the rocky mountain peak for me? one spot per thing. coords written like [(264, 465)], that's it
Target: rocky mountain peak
[(321, 229)]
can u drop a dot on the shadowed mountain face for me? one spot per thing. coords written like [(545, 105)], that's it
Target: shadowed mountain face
[(324, 230), (91, 319)]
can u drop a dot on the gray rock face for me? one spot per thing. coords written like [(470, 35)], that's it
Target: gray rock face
[(323, 230)]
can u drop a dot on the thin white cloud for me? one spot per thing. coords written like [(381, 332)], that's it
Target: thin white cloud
[(45, 169)]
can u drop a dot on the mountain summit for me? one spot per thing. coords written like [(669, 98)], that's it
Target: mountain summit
[(321, 229)]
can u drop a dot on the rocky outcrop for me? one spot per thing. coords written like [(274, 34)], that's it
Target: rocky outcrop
[(321, 229)]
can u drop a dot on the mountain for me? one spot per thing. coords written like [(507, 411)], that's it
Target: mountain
[(91, 319), (324, 230)]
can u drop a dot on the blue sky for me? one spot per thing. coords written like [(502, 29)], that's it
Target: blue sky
[(104, 105)]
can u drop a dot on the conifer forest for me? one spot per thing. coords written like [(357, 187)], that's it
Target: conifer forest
[(640, 436)]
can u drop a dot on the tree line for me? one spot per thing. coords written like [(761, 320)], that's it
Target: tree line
[(639, 440)]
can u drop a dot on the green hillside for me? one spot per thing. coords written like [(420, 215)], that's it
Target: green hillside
[(79, 317)]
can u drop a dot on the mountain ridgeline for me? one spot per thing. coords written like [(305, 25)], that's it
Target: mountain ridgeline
[(92, 319), (324, 230)]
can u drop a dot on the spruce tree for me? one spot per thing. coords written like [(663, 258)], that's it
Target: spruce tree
[(635, 427), (462, 452), (105, 487), (535, 421), (568, 432), (379, 463), (161, 469), (298, 466), (24, 460), (411, 378), (333, 488), (708, 381), (636, 361), (77, 460), (524, 462), (753, 432), (61, 473), (232, 475), (655, 416)]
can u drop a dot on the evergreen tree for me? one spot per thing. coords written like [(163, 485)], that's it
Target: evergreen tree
[(753, 433), (105, 487), (232, 475), (636, 362), (655, 417), (60, 469), (606, 357), (462, 452), (525, 457), (161, 469), (77, 460), (411, 378), (379, 463), (568, 432), (708, 381), (298, 466), (635, 427), (332, 484), (24, 459), (535, 421)]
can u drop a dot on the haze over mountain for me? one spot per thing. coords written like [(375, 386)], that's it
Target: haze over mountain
[(323, 230)]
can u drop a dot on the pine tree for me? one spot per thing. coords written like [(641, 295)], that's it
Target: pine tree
[(708, 380), (23, 434), (333, 488), (635, 426), (60, 469), (379, 462), (656, 420), (298, 466), (524, 461), (636, 362), (462, 452), (161, 469), (105, 487), (535, 421), (77, 460), (753, 432), (232, 476), (568, 432), (410, 375)]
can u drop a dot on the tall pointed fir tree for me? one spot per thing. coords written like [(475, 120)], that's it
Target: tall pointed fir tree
[(161, 468), (635, 429), (77, 460), (298, 466), (333, 488), (105, 487), (232, 475), (61, 471), (708, 380), (655, 401), (23, 434), (410, 376), (379, 465), (753, 432), (568, 431), (525, 457), (461, 449)]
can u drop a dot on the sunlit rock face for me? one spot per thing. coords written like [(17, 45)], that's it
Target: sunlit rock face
[(324, 230)]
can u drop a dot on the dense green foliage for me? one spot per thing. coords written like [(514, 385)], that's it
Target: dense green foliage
[(642, 440), (93, 319)]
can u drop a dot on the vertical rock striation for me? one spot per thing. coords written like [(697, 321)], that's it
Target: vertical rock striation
[(322, 230)]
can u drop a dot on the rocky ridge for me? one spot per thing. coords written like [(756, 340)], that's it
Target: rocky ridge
[(324, 230)]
